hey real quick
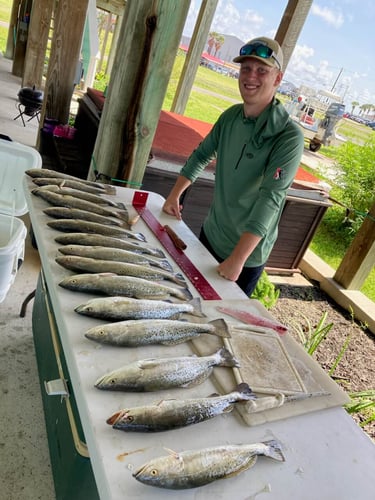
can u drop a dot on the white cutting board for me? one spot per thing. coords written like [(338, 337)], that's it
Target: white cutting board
[(310, 376)]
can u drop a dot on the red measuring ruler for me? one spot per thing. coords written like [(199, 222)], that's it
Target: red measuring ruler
[(195, 276)]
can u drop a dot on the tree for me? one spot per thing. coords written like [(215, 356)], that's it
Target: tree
[(214, 40), (354, 105)]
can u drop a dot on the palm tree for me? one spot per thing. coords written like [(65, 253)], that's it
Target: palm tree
[(214, 40), (354, 105)]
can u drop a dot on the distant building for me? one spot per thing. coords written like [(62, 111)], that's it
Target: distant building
[(227, 52)]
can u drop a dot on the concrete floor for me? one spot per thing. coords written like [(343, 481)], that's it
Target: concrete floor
[(25, 471)]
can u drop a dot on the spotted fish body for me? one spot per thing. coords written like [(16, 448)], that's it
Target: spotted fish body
[(75, 184), (124, 286), (116, 254), (164, 373), (175, 413), (83, 226), (134, 333), (88, 265), (46, 172), (76, 213), (65, 200), (190, 469), (90, 239)]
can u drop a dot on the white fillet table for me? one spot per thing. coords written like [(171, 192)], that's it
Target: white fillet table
[(327, 455)]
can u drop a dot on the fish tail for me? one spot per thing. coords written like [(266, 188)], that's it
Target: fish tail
[(246, 393), (221, 327), (196, 303), (273, 450), (185, 294), (227, 358), (179, 279), (164, 264)]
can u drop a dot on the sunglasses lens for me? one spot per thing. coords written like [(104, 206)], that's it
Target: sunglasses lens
[(256, 50), (263, 51)]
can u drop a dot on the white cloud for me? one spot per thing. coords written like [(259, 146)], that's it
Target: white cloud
[(330, 16)]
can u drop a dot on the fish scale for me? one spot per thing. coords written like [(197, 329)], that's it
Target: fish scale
[(196, 278)]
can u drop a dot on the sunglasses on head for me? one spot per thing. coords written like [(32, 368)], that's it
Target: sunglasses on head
[(260, 50)]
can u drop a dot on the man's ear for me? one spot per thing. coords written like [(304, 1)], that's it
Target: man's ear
[(278, 78)]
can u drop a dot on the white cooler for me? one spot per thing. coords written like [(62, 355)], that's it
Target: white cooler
[(15, 158)]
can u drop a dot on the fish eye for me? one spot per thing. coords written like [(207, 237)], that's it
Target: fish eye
[(112, 381), (129, 418), (154, 472)]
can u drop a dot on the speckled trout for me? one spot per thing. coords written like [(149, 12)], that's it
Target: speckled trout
[(66, 200), (82, 195), (158, 374), (193, 468), (76, 213), (45, 172), (175, 413), (124, 286), (134, 333), (83, 226), (90, 239), (87, 265), (121, 308), (116, 254), (74, 184)]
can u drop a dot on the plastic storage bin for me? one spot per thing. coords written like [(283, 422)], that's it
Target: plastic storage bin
[(15, 158)]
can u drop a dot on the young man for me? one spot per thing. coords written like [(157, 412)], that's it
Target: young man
[(258, 149)]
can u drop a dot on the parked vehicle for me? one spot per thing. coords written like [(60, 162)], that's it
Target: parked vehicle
[(318, 131)]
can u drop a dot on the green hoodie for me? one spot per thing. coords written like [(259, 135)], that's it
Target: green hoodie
[(256, 162)]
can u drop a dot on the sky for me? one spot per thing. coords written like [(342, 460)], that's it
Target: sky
[(336, 47)]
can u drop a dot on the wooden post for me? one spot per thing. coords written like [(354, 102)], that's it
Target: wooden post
[(290, 26), (37, 43), (193, 57), (65, 50), (360, 256), (22, 31), (147, 46), (9, 51)]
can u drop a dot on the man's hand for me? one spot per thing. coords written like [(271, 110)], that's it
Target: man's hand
[(230, 269), (172, 207)]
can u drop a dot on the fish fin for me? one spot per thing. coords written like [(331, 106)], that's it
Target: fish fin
[(244, 389), (174, 454), (221, 327), (163, 264), (274, 450), (197, 380), (187, 293), (250, 463), (196, 303), (145, 364), (139, 236), (229, 409), (179, 279), (227, 358)]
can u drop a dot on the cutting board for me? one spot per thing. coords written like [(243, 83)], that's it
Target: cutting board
[(280, 361)]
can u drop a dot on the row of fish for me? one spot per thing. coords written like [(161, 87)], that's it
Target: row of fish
[(145, 300)]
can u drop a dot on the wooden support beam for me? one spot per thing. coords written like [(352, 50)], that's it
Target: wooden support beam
[(40, 21), (360, 256), (193, 57), (147, 46), (290, 26), (22, 32), (70, 19), (9, 51)]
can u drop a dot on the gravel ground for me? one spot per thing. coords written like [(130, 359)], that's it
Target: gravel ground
[(303, 307)]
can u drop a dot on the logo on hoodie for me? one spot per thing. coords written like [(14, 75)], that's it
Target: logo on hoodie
[(278, 174)]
